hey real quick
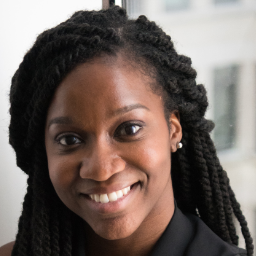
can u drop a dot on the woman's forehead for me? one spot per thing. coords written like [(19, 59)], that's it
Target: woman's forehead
[(97, 87), (106, 72)]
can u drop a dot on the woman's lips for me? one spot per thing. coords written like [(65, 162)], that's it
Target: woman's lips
[(111, 203), (111, 197)]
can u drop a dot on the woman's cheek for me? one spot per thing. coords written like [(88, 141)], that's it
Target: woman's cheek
[(62, 173), (153, 158)]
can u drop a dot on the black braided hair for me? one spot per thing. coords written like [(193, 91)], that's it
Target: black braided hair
[(200, 184)]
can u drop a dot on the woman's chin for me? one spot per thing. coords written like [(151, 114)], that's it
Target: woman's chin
[(116, 230)]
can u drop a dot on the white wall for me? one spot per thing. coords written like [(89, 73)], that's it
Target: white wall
[(21, 22)]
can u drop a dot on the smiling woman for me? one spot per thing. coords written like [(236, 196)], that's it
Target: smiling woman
[(100, 108), (122, 143)]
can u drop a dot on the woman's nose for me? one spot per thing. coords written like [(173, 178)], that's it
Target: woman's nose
[(103, 162)]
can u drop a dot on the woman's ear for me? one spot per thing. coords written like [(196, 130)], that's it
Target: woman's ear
[(175, 130)]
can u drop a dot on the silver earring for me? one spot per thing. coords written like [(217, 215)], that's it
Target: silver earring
[(179, 145)]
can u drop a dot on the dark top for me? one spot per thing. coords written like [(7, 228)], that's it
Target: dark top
[(185, 235)]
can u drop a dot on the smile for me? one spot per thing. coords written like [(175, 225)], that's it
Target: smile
[(111, 197), (112, 202)]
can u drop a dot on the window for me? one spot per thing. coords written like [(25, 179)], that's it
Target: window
[(225, 92), (173, 5), (225, 1), (133, 7)]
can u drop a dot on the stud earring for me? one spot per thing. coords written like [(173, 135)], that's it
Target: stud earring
[(179, 145)]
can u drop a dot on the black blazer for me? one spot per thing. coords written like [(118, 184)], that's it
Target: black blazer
[(185, 235), (188, 235)]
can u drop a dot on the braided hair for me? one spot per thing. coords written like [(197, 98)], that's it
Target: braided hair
[(200, 184)]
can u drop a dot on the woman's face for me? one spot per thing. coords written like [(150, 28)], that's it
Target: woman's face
[(107, 139)]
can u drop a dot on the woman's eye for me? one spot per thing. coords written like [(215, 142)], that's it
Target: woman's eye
[(129, 130), (69, 140)]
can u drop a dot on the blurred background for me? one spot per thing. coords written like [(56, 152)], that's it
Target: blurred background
[(220, 38)]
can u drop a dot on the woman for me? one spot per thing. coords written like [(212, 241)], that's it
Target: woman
[(108, 123)]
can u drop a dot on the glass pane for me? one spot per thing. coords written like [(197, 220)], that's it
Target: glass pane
[(133, 7), (176, 4), (224, 1), (225, 80)]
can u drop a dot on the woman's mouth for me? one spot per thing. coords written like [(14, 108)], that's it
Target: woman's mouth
[(111, 197), (113, 202)]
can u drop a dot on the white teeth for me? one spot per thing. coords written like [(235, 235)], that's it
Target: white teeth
[(97, 198), (104, 198), (125, 191), (111, 197), (119, 193)]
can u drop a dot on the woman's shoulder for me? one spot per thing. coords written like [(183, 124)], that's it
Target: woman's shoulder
[(6, 250), (205, 239)]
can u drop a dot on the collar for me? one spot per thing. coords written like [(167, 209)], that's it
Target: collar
[(188, 235)]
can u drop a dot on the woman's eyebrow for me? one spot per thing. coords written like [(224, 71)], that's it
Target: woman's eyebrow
[(60, 120), (119, 111), (128, 108)]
